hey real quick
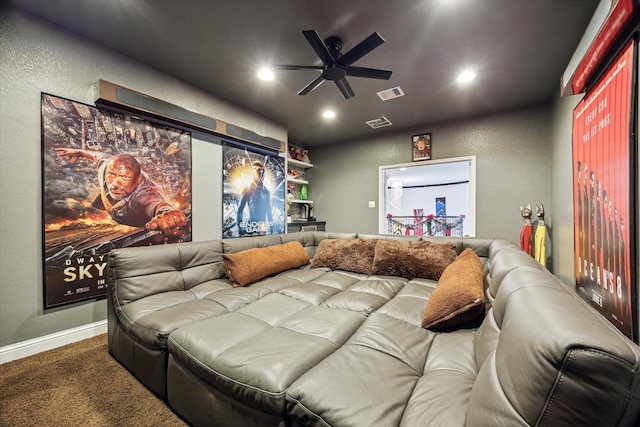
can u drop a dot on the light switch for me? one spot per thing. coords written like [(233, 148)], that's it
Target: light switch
[(372, 204)]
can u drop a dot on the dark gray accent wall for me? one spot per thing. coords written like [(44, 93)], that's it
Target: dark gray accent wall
[(513, 168)]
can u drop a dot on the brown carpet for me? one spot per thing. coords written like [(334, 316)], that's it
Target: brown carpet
[(79, 384)]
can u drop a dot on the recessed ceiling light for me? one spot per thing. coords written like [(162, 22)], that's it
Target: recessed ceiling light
[(328, 114), (466, 76), (265, 74)]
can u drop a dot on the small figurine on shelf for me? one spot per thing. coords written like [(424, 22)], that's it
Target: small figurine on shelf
[(305, 156), (290, 199)]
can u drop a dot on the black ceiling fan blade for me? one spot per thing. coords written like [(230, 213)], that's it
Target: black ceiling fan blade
[(318, 46), (345, 88), (311, 86), (298, 67), (369, 73), (364, 47)]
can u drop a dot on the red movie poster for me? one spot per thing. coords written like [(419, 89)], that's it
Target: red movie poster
[(602, 195), (109, 181)]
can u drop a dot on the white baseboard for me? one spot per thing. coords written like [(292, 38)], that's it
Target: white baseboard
[(48, 342)]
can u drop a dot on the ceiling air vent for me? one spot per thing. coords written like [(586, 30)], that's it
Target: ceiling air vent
[(388, 94), (382, 122)]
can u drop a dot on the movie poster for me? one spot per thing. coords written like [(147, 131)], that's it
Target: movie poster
[(109, 181), (603, 213), (253, 193)]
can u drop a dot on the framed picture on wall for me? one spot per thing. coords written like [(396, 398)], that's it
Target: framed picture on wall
[(604, 186), (421, 147), (110, 181)]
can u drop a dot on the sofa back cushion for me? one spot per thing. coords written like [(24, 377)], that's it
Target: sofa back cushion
[(557, 362), (138, 272)]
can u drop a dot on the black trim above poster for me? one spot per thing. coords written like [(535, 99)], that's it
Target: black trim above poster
[(120, 99)]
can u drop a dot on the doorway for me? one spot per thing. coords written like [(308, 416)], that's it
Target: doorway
[(434, 198)]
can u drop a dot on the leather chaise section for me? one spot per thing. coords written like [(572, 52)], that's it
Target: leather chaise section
[(316, 347)]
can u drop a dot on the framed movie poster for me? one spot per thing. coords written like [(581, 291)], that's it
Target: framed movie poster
[(253, 193), (421, 147), (109, 181), (603, 171)]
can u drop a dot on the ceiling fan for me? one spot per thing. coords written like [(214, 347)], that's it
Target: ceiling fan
[(336, 66)]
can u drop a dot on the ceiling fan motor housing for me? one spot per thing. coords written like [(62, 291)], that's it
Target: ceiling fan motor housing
[(334, 71)]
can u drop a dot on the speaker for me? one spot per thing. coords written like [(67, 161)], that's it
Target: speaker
[(117, 98)]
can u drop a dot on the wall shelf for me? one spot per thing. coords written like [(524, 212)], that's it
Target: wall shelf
[(298, 180), (298, 163)]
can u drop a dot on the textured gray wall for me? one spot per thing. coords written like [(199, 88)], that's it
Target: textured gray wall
[(38, 58), (562, 190), (513, 153), (513, 166)]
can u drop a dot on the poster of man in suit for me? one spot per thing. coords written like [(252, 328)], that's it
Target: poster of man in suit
[(253, 193)]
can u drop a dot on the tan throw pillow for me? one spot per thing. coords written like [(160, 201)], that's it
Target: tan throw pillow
[(459, 296), (355, 255), (249, 266), (421, 259)]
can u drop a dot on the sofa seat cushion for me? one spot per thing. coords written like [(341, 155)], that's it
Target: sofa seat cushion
[(254, 354), (389, 362), (408, 304), (366, 295), (335, 289), (151, 319), (441, 395)]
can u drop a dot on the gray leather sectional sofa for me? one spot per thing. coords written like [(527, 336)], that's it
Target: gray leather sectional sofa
[(318, 347)]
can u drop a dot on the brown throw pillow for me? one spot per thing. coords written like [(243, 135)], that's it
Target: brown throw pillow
[(354, 255), (459, 296), (249, 266), (421, 259)]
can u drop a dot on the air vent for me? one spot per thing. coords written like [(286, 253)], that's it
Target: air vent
[(382, 122), (388, 94)]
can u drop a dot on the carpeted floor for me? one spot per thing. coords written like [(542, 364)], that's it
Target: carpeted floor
[(79, 384)]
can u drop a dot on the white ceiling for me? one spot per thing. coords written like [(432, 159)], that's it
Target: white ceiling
[(519, 48)]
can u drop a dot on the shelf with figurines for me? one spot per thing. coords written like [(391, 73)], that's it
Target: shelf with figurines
[(297, 162), (298, 157)]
